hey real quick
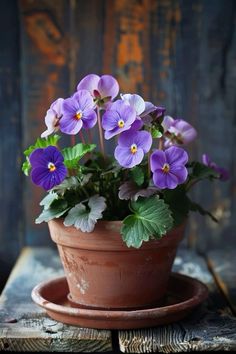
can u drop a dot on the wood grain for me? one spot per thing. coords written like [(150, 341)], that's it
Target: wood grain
[(25, 326), (210, 327), (11, 179), (223, 267)]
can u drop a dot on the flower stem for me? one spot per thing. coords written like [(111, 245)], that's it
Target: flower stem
[(160, 144), (82, 137), (72, 140), (100, 133)]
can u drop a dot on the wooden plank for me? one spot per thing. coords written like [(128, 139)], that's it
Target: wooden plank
[(223, 266), (25, 327), (210, 327), (45, 76), (11, 227)]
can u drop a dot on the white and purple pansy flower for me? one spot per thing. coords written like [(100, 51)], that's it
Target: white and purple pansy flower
[(78, 111), (53, 117), (178, 131), (48, 169), (168, 167), (132, 145), (118, 118), (137, 103), (152, 113), (102, 88)]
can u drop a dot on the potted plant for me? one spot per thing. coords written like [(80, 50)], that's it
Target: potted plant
[(118, 217)]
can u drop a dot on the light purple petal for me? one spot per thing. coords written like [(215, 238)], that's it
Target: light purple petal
[(89, 119), (70, 125), (126, 159), (126, 139), (70, 106), (149, 107), (56, 106), (168, 121), (126, 112), (143, 139), (90, 83), (164, 180), (183, 130), (84, 99), (171, 181), (110, 133), (108, 86), (137, 124), (157, 160), (110, 119), (180, 172), (206, 160), (176, 155), (135, 101)]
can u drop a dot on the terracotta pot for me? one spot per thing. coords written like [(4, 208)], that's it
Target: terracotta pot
[(102, 272)]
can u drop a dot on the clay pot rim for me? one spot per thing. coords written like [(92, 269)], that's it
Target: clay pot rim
[(98, 239)]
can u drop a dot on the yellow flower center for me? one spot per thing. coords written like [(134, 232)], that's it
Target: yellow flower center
[(51, 167), (166, 168), (78, 115), (121, 123), (133, 148)]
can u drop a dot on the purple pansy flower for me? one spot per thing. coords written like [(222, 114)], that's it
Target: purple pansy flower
[(102, 89), (118, 118), (168, 167), (224, 174), (52, 118), (132, 145), (151, 113), (78, 111), (179, 132), (48, 169)]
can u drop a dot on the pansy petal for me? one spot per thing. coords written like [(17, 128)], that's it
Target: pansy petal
[(143, 139), (70, 106), (110, 119), (159, 179), (90, 83), (38, 175), (137, 124), (56, 106), (127, 138), (117, 130), (171, 181), (108, 86), (89, 119), (168, 121), (70, 126), (176, 155), (157, 160), (126, 159), (149, 107), (84, 99), (37, 158), (135, 101), (180, 172)]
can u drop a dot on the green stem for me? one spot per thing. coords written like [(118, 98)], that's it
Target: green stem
[(100, 134)]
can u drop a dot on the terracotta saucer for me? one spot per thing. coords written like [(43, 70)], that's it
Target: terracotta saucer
[(184, 294)]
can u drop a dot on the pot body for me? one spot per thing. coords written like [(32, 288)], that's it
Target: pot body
[(102, 272)]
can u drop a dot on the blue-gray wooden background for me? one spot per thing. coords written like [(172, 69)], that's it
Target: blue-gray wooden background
[(177, 53)]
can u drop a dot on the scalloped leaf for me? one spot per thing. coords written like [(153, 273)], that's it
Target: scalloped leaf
[(151, 219), (73, 154)]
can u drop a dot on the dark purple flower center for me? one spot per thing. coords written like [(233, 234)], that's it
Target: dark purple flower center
[(51, 167), (133, 148), (166, 168)]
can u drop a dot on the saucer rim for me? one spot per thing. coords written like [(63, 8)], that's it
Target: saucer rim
[(200, 294)]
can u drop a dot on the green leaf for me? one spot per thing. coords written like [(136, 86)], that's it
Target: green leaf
[(84, 218), (48, 200), (201, 171), (196, 207), (178, 202), (137, 175), (73, 154), (151, 219), (156, 133), (56, 210), (26, 167), (68, 183)]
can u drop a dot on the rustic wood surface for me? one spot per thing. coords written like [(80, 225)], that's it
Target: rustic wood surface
[(25, 326), (211, 327), (223, 268)]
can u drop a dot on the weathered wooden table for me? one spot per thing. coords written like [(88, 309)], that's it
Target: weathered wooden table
[(212, 326)]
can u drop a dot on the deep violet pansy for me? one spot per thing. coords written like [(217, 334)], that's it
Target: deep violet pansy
[(48, 169), (168, 167)]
